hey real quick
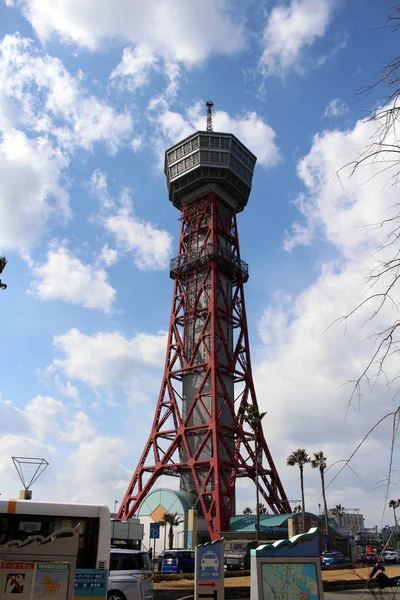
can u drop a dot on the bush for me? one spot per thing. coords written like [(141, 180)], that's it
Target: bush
[(338, 567), (190, 576)]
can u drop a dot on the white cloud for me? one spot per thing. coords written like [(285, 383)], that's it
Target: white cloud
[(306, 357), (250, 128), (290, 29), (12, 419), (166, 26), (299, 383), (36, 91), (79, 429), (31, 191), (336, 205), (108, 359), (66, 389), (135, 67), (97, 469), (42, 413), (336, 108), (149, 245), (108, 255), (65, 277)]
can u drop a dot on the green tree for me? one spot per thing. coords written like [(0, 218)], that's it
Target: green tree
[(3, 262), (338, 512), (300, 458), (394, 504), (253, 418), (319, 462), (171, 520), (262, 509), (247, 511)]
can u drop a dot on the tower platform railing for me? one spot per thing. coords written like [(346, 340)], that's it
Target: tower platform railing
[(198, 260)]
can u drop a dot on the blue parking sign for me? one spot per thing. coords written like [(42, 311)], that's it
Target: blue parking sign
[(210, 561), (154, 531)]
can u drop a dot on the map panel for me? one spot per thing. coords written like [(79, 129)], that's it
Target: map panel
[(291, 581)]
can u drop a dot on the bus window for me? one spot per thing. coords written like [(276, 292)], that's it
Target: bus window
[(18, 527)]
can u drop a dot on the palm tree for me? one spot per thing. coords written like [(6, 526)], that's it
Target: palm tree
[(394, 504), (338, 512), (247, 511), (319, 462), (173, 521), (3, 262), (300, 457), (262, 509), (253, 418)]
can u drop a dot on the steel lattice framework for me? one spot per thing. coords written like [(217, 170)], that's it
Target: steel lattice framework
[(204, 439)]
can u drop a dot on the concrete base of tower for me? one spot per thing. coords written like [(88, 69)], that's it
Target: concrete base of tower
[(162, 501)]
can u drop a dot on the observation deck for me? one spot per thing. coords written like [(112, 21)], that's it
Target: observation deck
[(229, 264), (209, 158)]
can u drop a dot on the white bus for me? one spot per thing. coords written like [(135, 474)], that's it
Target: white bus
[(20, 519)]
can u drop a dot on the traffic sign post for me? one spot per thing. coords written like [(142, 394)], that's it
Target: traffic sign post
[(209, 572), (154, 531), (154, 535)]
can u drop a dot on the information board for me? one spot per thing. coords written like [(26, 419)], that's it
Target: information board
[(290, 581), (209, 573), (52, 579), (287, 569)]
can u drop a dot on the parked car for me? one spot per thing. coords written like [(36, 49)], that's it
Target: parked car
[(391, 556), (334, 558), (178, 561), (131, 575), (237, 555), (160, 556), (369, 557)]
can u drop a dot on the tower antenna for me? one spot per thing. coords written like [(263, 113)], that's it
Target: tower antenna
[(209, 106)]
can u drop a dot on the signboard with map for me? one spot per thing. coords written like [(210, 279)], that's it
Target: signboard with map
[(290, 581), (287, 569)]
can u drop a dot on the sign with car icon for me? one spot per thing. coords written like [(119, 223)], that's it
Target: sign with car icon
[(209, 562), (209, 573)]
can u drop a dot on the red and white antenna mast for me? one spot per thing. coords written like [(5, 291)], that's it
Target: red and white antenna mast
[(209, 106)]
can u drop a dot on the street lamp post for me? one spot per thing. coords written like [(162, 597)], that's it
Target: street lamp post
[(115, 506)]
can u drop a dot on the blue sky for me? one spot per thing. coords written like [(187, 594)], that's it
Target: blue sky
[(90, 98)]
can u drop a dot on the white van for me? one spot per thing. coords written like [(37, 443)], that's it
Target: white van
[(131, 575)]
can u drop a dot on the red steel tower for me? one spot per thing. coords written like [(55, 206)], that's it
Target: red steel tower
[(199, 432)]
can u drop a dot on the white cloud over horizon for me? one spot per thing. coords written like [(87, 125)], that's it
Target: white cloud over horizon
[(64, 277), (310, 359), (108, 360)]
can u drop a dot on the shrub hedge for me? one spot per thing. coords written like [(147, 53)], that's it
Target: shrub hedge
[(244, 573)]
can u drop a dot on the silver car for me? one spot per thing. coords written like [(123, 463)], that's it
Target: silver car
[(131, 575)]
